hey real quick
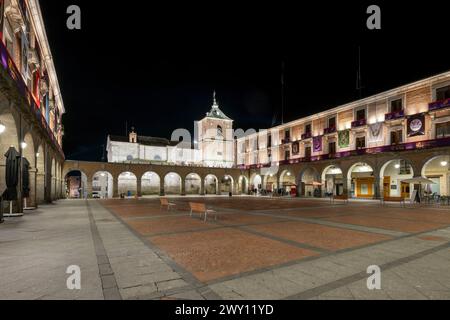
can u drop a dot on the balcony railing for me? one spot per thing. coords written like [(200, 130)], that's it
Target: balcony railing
[(307, 135), (359, 123), (394, 115), (438, 105), (286, 140), (329, 130)]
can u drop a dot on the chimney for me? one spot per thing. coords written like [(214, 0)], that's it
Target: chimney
[(133, 136)]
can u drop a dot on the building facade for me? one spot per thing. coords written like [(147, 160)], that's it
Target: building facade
[(31, 105), (410, 118), (212, 146)]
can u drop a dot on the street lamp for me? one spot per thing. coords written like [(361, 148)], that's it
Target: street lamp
[(23, 145), (444, 163), (2, 127)]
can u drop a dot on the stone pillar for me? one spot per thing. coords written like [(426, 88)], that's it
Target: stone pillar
[(139, 186), (202, 187), (115, 187), (88, 187), (161, 187), (32, 199), (377, 183), (218, 185), (183, 187), (40, 187)]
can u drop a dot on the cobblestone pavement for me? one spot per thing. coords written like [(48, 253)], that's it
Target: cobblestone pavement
[(259, 248)]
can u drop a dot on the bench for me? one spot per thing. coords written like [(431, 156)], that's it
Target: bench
[(201, 208), (166, 203), (343, 197), (393, 199)]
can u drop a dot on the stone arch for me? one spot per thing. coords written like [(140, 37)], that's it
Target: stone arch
[(306, 179), (288, 183), (437, 169), (361, 180), (332, 179), (193, 183), (243, 185), (127, 184), (392, 172), (8, 138), (76, 184), (150, 183), (211, 184), (102, 185), (29, 155), (227, 184), (172, 183)]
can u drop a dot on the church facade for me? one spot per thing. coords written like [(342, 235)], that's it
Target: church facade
[(213, 145)]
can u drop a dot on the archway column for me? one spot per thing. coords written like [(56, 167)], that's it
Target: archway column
[(183, 186), (202, 186), (88, 187), (115, 186), (161, 187), (40, 187), (32, 199), (139, 186)]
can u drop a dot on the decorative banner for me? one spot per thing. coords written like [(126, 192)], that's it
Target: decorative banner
[(295, 148), (344, 138), (416, 125), (317, 144), (376, 132)]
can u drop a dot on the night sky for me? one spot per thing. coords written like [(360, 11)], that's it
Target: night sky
[(156, 66)]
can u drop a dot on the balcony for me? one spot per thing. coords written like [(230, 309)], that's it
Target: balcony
[(286, 141), (307, 135), (7, 63), (394, 115), (439, 105), (359, 123), (329, 130)]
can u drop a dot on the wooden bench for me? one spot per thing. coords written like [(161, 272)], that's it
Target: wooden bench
[(166, 203), (201, 208), (393, 199), (343, 197)]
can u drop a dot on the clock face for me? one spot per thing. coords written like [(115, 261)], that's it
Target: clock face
[(415, 125)]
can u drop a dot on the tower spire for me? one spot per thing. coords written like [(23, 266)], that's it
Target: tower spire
[(214, 99)]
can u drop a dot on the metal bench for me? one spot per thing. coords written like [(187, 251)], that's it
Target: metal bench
[(166, 203), (201, 208)]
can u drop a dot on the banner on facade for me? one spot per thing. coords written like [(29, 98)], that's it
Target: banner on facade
[(376, 132), (344, 138), (296, 148), (416, 125), (2, 11), (317, 144)]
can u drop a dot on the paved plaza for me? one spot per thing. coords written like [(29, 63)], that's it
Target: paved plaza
[(258, 248)]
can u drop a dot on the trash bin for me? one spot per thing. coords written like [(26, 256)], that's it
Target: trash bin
[(230, 194)]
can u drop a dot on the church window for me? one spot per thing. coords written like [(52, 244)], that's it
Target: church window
[(219, 131)]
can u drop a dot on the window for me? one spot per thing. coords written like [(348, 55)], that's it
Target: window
[(287, 134), (269, 141), (332, 122), (443, 130), (360, 143), (396, 105), (308, 128), (361, 114), (287, 155), (308, 152), (443, 93), (219, 132), (397, 137), (332, 147)]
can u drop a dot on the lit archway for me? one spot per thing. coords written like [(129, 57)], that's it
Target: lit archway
[(40, 178), (392, 174), (211, 184), (270, 182), (127, 184), (172, 184), (150, 184), (308, 183), (29, 158), (102, 185), (361, 181), (256, 183), (333, 181), (226, 185), (76, 184), (8, 138), (288, 183), (243, 185), (193, 184), (437, 169)]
